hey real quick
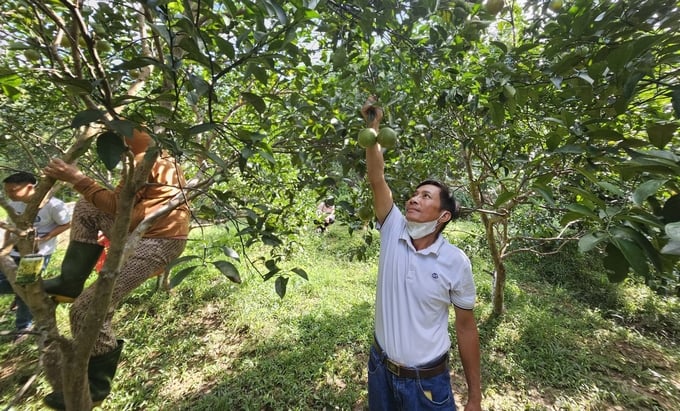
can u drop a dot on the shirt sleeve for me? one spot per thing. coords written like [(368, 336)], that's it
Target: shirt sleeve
[(104, 199), (464, 294), (60, 213)]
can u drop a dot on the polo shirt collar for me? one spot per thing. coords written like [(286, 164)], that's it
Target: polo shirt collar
[(432, 249)]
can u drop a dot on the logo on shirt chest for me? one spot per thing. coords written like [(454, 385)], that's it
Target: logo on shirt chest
[(435, 275)]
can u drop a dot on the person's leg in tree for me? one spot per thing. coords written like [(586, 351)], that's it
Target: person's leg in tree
[(151, 256), (82, 252)]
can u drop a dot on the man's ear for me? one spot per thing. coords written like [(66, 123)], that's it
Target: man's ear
[(446, 216)]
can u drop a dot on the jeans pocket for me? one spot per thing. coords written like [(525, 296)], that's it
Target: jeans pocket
[(436, 391), (373, 362)]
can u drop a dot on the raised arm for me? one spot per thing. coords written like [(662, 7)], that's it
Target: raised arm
[(375, 164)]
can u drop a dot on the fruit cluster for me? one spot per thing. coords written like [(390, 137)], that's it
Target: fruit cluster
[(368, 137)]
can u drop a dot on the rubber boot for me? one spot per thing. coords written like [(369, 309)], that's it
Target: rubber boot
[(79, 260), (100, 372)]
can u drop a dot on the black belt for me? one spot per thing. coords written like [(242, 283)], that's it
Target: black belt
[(411, 372)]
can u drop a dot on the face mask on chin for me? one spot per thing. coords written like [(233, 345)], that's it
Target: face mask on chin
[(419, 230)]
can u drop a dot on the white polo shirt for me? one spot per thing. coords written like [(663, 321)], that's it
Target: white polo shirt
[(414, 292), (54, 213)]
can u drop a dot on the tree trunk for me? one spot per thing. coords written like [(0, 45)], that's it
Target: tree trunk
[(75, 386), (499, 266), (498, 290)]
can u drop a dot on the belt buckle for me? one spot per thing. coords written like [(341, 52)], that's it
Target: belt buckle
[(393, 367)]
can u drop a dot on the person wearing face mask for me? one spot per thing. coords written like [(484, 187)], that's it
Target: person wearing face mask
[(420, 275)]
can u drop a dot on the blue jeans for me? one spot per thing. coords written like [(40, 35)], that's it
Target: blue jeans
[(24, 317), (387, 392)]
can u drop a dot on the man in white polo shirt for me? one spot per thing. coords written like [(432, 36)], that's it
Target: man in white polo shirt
[(53, 218), (420, 276)]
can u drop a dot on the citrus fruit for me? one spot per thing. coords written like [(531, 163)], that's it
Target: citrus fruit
[(494, 6), (367, 137), (387, 137), (365, 213)]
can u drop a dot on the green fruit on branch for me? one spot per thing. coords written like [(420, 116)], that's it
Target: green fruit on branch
[(103, 46), (494, 6), (32, 55), (555, 5), (367, 137), (387, 137), (365, 213)]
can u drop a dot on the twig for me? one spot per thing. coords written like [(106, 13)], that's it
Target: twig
[(21, 392)]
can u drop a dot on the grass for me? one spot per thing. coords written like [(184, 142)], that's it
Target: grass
[(569, 340)]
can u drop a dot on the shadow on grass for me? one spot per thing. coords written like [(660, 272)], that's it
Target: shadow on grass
[(556, 346), (321, 367)]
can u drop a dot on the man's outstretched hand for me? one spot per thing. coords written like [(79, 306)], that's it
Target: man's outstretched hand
[(371, 113)]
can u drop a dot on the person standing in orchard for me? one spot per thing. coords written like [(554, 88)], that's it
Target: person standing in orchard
[(420, 275), (53, 218), (163, 242)]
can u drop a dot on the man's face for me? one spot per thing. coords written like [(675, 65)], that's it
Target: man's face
[(19, 191), (424, 205)]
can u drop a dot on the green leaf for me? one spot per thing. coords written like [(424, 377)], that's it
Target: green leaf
[(589, 241), (583, 75), (672, 230), (302, 273), (582, 210), (230, 252), (256, 101), (86, 117), (189, 44), (630, 234), (611, 188), (123, 127), (587, 196), (675, 99), (258, 72), (634, 255), (606, 134), (545, 192), (647, 189), (570, 149), (229, 270), (201, 128), (631, 84), (76, 85), (137, 62), (162, 31), (671, 209), (497, 113), (553, 141), (10, 83), (672, 248), (509, 91), (280, 286), (275, 10), (615, 263), (661, 134), (503, 198), (181, 275), (619, 57), (110, 147), (225, 47)]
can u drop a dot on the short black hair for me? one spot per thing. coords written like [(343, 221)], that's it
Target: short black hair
[(446, 200), (20, 177)]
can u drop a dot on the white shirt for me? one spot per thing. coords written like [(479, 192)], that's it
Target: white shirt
[(51, 215), (414, 292)]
